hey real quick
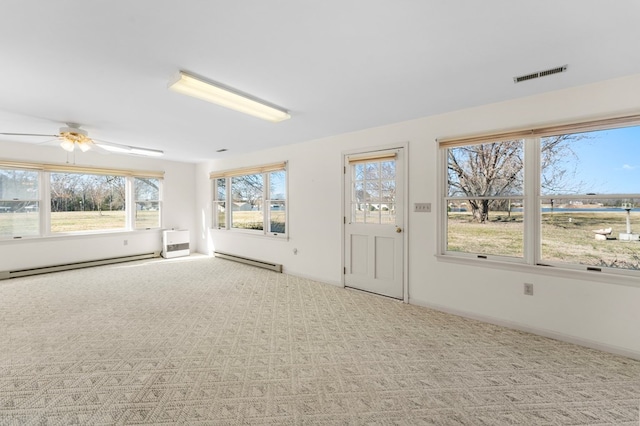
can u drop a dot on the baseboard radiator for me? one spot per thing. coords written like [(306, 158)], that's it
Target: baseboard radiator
[(65, 267), (253, 262)]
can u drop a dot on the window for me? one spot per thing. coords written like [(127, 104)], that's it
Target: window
[(220, 203), (566, 196), (485, 178), (46, 199), (19, 203), (247, 202), (85, 202), (589, 182), (147, 201), (374, 191), (253, 200), (276, 201)]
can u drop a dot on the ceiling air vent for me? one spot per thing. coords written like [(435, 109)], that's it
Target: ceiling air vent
[(538, 74)]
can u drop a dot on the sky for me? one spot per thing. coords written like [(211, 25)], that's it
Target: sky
[(608, 161)]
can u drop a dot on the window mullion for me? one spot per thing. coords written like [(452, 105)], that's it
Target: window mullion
[(531, 200), (441, 230), (160, 202), (266, 203), (229, 206), (129, 204), (45, 201)]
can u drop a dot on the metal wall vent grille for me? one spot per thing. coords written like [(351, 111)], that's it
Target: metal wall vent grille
[(538, 74)]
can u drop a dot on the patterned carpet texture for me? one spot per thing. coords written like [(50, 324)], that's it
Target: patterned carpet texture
[(208, 341)]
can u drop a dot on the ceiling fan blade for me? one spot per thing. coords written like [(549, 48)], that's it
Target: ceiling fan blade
[(28, 134), (47, 141)]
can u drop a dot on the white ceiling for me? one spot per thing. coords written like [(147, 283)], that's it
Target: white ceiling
[(337, 65)]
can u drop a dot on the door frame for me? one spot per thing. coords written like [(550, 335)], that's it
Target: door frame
[(405, 203)]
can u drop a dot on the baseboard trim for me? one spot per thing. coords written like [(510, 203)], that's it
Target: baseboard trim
[(249, 261), (312, 278), (617, 350), (76, 265)]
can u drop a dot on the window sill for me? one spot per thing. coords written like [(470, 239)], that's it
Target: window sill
[(249, 233), (77, 235), (554, 271)]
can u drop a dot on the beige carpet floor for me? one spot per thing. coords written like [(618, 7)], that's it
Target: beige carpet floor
[(212, 342)]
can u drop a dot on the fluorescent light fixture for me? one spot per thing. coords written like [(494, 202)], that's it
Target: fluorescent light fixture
[(123, 149), (217, 93)]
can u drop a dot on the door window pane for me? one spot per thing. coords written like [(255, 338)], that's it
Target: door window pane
[(373, 192)]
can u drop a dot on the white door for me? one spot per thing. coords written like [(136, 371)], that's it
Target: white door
[(374, 212)]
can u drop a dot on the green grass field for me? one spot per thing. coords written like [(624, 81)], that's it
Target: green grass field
[(566, 237), (74, 221), (254, 220)]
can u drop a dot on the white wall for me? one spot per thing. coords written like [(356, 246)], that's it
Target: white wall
[(179, 198), (591, 312)]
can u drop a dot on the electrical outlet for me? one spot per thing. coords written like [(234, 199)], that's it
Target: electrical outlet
[(126, 242), (528, 289), (422, 207)]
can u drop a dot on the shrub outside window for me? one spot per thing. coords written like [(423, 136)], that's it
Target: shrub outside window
[(566, 196)]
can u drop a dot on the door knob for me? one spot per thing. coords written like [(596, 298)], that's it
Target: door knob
[(398, 230)]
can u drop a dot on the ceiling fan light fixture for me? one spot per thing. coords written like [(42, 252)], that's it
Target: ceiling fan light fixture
[(67, 145), (216, 93), (84, 147), (72, 136)]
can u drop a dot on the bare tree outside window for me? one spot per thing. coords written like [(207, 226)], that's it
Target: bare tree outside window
[(587, 197), (85, 202), (246, 209)]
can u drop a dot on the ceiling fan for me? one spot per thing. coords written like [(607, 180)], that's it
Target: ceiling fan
[(72, 136)]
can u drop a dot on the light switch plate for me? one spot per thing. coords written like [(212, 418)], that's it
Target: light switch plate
[(422, 207)]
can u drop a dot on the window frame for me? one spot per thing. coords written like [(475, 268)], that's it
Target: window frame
[(532, 197), (37, 201), (265, 199), (47, 175), (215, 218), (45, 170), (135, 201)]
